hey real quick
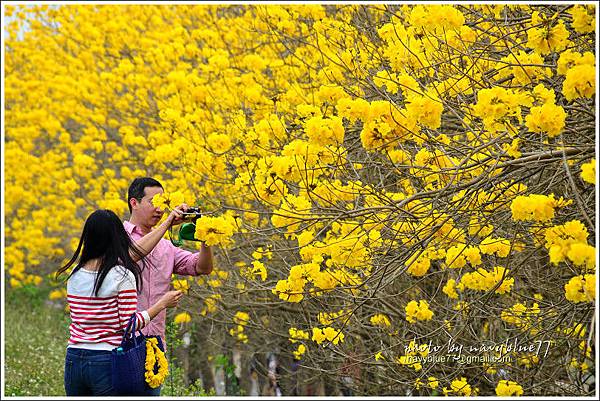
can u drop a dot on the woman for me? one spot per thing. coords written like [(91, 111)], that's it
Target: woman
[(102, 296)]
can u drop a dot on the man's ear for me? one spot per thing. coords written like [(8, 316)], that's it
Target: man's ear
[(133, 202)]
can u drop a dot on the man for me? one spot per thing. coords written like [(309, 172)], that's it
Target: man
[(165, 259)]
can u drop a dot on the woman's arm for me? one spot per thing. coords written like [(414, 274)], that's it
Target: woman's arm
[(145, 244), (169, 300), (127, 302)]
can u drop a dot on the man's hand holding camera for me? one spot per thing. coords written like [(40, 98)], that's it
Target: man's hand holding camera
[(183, 213)]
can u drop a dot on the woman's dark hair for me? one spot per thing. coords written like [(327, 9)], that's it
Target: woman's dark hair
[(105, 238)]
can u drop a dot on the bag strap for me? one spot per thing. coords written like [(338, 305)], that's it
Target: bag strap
[(131, 326)]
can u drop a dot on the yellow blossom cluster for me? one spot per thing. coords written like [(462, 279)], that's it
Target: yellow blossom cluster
[(458, 256), (551, 36), (584, 18), (418, 311), (508, 388), (349, 157), (569, 241), (581, 288), (460, 387), (380, 319), (296, 334), (412, 353), (210, 304), (181, 285), (500, 247), (419, 263), (168, 200), (182, 318), (327, 334), (155, 356), (523, 317), (216, 230), (240, 319), (536, 207), (588, 171), (579, 71), (332, 317), (484, 280)]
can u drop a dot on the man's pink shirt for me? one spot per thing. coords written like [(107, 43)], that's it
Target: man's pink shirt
[(164, 260)]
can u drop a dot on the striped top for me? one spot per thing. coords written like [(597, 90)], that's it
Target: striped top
[(98, 322)]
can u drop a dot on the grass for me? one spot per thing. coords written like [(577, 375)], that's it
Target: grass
[(36, 333), (36, 336)]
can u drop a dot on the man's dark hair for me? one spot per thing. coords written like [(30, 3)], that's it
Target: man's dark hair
[(136, 189)]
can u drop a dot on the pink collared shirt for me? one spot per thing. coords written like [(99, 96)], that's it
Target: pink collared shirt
[(164, 260)]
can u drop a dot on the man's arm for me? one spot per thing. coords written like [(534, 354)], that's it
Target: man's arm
[(204, 265), (144, 245), (193, 263)]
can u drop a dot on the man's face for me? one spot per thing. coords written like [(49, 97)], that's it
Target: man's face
[(145, 212)]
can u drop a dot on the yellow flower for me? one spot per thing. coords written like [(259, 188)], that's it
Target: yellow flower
[(241, 318), (289, 291), (581, 288), (299, 352), (553, 37), (181, 285), (183, 317), (420, 266), (318, 335), (584, 19), (507, 388), (498, 246), (535, 207), (57, 294), (461, 387), (155, 356), (333, 335), (168, 200), (325, 131), (582, 254), (588, 171), (580, 82), (216, 230), (219, 143), (296, 334), (449, 289), (380, 320), (418, 311), (259, 269), (570, 58), (523, 317), (387, 80), (548, 119), (484, 280)]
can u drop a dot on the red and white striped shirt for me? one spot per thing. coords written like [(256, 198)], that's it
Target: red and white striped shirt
[(98, 322)]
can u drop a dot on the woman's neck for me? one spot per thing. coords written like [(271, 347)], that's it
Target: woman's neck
[(92, 264)]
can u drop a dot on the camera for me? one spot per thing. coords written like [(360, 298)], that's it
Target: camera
[(192, 213)]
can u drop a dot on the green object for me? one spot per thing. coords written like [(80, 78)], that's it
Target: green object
[(186, 232)]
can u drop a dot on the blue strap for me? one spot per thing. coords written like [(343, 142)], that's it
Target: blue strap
[(131, 325)]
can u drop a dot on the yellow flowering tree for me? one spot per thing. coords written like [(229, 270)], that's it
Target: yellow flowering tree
[(372, 176)]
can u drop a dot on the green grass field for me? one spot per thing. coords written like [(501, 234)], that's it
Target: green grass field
[(36, 334)]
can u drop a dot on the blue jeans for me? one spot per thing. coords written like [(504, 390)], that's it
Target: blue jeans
[(88, 372), (153, 392)]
